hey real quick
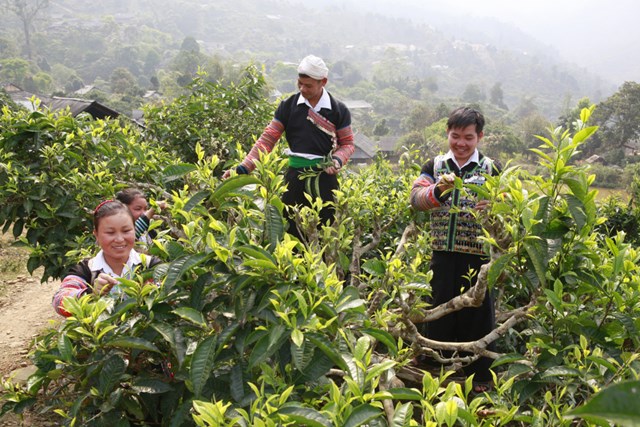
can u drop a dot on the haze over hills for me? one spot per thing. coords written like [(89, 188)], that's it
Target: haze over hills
[(417, 43), (596, 36)]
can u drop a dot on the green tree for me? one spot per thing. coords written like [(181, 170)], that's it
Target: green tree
[(436, 136), (14, 70), (496, 96), (41, 83), (122, 81), (619, 119), (346, 73), (189, 44), (526, 107), (216, 116), (392, 68), (26, 11), (529, 128), (8, 49), (419, 118), (473, 93), (501, 142), (571, 118), (381, 128)]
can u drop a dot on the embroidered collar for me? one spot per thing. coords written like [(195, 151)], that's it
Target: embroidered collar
[(323, 102), (475, 158), (98, 263)]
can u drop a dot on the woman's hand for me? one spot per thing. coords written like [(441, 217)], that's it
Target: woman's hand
[(103, 284)]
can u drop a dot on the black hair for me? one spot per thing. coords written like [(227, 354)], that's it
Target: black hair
[(465, 116), (108, 208), (128, 195)]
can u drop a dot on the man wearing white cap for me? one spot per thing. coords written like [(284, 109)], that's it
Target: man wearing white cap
[(318, 131)]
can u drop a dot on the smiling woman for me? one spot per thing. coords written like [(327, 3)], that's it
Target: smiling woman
[(115, 233)]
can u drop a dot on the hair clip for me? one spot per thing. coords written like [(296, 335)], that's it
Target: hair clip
[(95, 211)]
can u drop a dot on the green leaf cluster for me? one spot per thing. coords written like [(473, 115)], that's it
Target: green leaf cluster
[(245, 325)]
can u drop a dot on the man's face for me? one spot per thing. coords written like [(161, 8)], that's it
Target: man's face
[(463, 142), (310, 88)]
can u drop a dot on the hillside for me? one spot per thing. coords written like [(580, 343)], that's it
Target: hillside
[(144, 36)]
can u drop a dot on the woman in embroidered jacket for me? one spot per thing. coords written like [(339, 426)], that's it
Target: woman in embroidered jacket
[(456, 247), (115, 232), (318, 131)]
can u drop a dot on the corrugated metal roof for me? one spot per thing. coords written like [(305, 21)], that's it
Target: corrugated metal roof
[(77, 106), (56, 103), (363, 143), (357, 104)]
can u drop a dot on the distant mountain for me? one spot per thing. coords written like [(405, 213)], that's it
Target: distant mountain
[(427, 45)]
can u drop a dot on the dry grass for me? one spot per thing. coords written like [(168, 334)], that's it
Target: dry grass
[(604, 193)]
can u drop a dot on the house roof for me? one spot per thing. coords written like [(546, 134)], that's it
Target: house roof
[(355, 104), (19, 96), (388, 143), (77, 106), (56, 103), (365, 148)]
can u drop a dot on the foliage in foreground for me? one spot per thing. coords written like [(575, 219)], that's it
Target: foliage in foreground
[(249, 327), (54, 169)]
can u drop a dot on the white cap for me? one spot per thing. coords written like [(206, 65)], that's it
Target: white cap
[(313, 67)]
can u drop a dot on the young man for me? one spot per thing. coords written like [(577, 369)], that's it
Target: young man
[(318, 131), (456, 247)]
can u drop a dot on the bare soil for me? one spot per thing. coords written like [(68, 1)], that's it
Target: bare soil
[(25, 311)]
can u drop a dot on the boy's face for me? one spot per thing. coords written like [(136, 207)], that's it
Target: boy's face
[(463, 142)]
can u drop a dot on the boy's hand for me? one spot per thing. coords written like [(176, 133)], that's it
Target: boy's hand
[(446, 181), (482, 205)]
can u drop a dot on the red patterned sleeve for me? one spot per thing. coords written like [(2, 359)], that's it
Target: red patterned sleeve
[(345, 145), (265, 143), (423, 193), (72, 286)]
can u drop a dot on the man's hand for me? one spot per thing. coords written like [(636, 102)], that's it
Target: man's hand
[(332, 170)]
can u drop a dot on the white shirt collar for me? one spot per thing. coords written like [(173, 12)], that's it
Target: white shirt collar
[(98, 263), (475, 157), (324, 102)]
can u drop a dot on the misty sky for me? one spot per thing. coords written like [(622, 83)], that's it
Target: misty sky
[(603, 36)]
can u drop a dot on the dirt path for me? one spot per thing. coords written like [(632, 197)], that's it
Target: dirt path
[(25, 310)]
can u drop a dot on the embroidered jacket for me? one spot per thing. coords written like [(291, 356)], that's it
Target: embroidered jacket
[(80, 278), (324, 133), (453, 225)]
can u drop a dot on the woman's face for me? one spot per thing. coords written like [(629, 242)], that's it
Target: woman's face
[(138, 207), (116, 237)]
